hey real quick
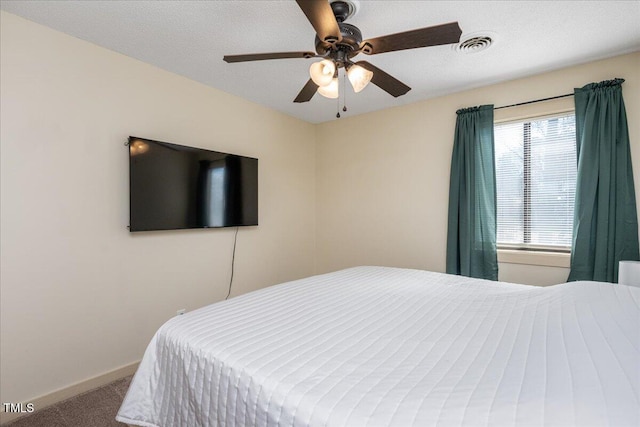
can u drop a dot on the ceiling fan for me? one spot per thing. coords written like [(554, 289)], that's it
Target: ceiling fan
[(338, 42)]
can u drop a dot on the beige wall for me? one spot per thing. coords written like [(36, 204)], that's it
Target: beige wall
[(382, 192), (80, 295)]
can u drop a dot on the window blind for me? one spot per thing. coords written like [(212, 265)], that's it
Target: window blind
[(536, 181)]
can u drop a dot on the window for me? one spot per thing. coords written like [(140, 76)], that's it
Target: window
[(536, 182)]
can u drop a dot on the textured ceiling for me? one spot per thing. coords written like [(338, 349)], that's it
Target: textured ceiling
[(191, 37)]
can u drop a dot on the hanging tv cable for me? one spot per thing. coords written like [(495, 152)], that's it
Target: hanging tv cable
[(233, 261)]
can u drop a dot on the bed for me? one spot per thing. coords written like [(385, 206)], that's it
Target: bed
[(379, 346)]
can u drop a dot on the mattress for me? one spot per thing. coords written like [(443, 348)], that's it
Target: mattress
[(377, 346)]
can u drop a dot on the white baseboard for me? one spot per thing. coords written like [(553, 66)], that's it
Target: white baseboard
[(65, 393)]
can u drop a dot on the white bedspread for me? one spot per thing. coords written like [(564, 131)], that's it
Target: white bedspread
[(375, 346)]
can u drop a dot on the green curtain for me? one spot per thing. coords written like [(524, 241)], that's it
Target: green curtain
[(605, 227), (471, 236)]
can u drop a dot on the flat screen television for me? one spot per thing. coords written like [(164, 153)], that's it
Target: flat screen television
[(174, 187)]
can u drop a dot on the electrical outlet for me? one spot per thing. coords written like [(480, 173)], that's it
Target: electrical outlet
[(181, 311)]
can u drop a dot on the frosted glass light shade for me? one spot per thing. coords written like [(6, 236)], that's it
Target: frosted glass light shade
[(322, 72), (330, 90), (359, 77)]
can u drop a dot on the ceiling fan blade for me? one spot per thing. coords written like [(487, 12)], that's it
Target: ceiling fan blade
[(384, 81), (320, 15), (423, 37), (263, 56), (307, 92)]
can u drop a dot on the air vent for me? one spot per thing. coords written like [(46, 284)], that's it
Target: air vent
[(474, 44)]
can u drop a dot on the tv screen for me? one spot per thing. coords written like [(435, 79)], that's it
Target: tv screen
[(176, 187)]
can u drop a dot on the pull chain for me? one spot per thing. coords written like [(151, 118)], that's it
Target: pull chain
[(338, 99), (344, 85)]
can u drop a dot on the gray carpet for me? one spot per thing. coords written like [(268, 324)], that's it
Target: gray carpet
[(95, 408)]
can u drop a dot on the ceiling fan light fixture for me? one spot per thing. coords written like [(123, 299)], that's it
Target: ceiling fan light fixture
[(330, 90), (337, 42), (359, 77), (322, 72)]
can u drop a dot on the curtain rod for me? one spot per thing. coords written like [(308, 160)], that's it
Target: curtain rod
[(534, 101)]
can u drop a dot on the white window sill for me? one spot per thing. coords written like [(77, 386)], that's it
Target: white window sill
[(548, 259)]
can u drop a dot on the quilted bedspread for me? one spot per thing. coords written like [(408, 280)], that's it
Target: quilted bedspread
[(377, 346)]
